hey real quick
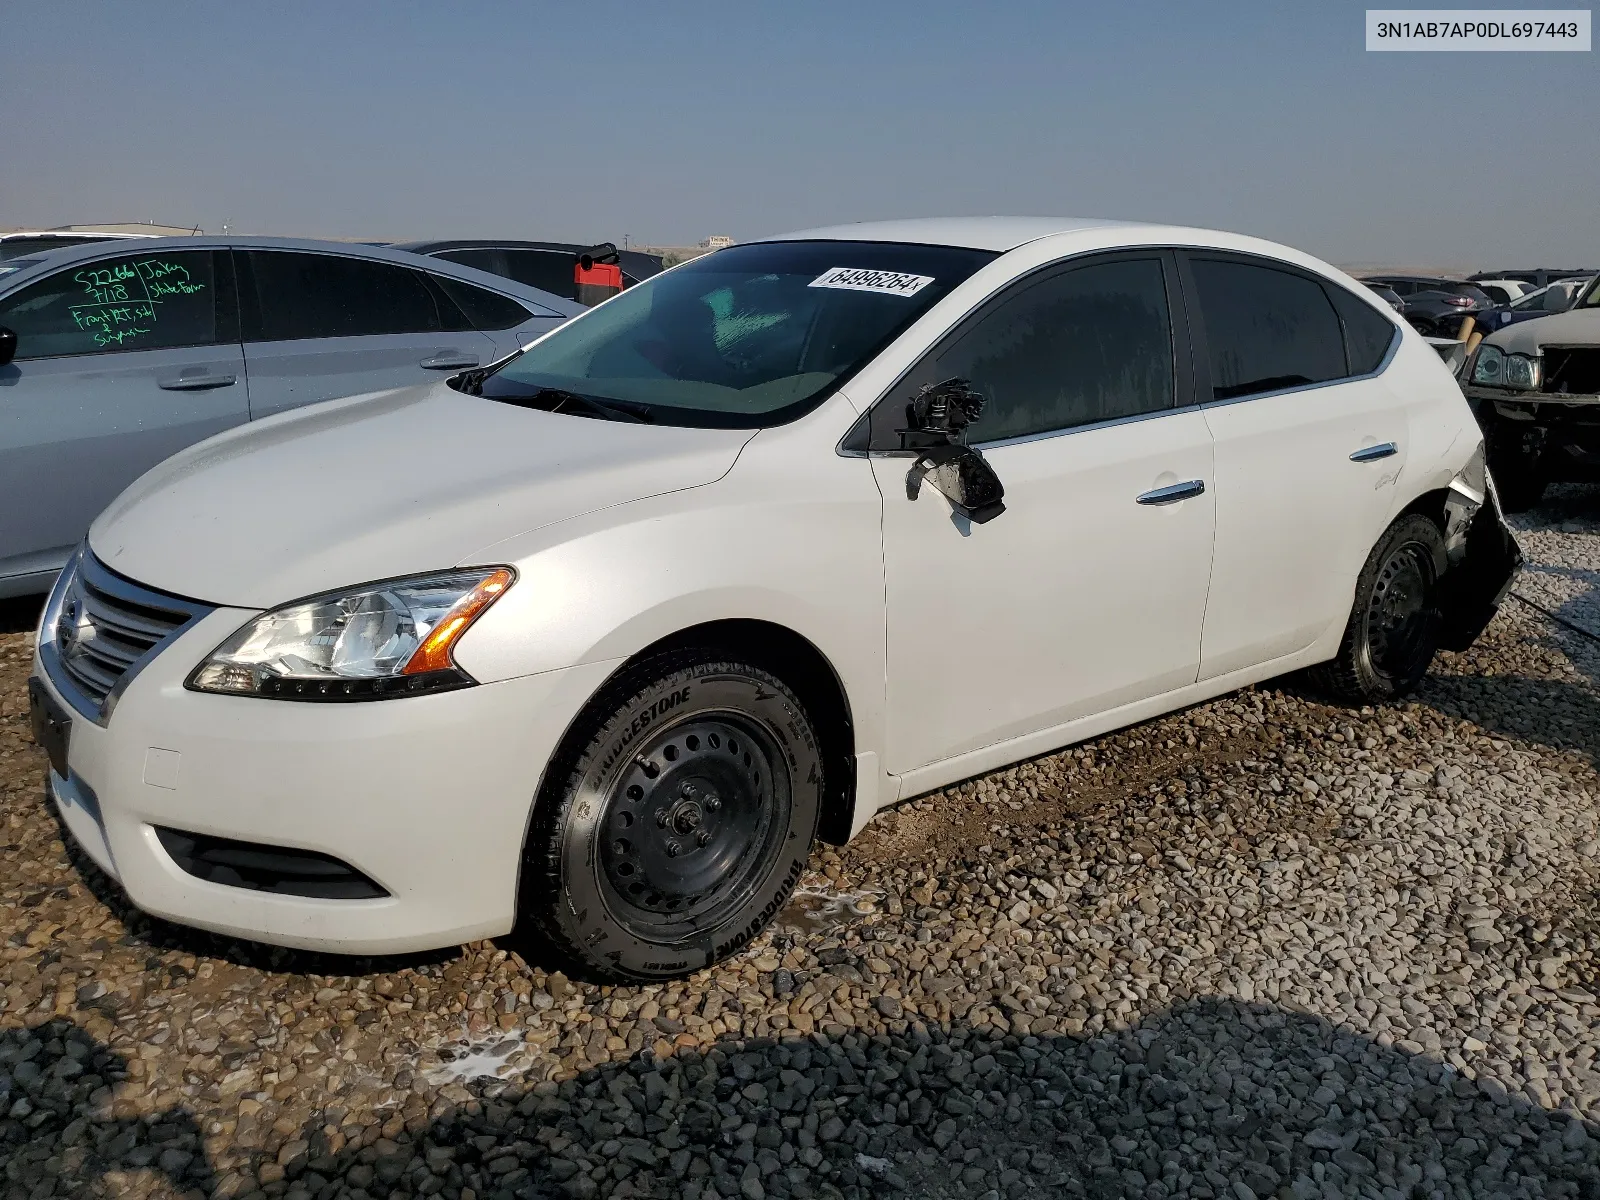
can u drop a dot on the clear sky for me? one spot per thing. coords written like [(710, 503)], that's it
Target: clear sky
[(672, 121)]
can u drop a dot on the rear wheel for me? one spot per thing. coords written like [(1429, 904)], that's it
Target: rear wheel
[(1394, 625), (676, 820)]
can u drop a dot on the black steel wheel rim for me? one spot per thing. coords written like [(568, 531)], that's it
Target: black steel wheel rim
[(1400, 611), (692, 826)]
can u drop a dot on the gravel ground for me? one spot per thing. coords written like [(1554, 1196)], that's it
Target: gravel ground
[(1264, 947)]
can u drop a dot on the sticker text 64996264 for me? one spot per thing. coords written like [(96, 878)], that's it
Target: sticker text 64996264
[(859, 279)]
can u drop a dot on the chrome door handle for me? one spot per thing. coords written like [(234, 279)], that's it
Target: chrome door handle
[(185, 382), (450, 360), (1173, 492), (1374, 453)]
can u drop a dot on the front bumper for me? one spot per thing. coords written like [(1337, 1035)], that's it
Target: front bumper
[(429, 796)]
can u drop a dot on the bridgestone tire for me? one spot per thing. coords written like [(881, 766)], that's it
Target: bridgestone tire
[(1380, 657), (675, 820)]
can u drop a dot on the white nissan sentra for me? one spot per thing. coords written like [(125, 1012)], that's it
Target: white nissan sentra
[(595, 642)]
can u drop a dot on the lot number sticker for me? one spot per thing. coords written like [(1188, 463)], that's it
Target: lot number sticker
[(858, 279)]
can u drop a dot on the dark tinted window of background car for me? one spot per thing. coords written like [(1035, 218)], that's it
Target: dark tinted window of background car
[(1368, 334), (1089, 344), (1266, 329), (479, 259), (133, 302), (301, 295), (1498, 294), (16, 247), (544, 269), (484, 309)]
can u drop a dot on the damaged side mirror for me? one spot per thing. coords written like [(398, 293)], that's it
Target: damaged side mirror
[(936, 422)]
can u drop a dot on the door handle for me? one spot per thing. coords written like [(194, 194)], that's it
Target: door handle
[(1173, 492), (186, 381), (1374, 453), (449, 360)]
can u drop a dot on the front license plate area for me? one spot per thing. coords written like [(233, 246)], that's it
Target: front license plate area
[(52, 725)]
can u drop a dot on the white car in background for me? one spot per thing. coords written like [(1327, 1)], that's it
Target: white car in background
[(599, 640)]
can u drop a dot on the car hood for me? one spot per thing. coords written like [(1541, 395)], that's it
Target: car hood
[(376, 486), (1578, 327)]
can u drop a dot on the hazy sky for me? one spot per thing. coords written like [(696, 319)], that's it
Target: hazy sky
[(671, 121)]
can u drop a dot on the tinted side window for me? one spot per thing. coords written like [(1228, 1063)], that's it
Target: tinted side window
[(1266, 329), (544, 269), (1086, 345), (136, 302), (484, 309), (480, 260), (325, 295), (1367, 332)]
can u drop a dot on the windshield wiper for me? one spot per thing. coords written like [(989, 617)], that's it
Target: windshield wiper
[(556, 399)]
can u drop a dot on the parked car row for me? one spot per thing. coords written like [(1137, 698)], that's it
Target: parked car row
[(114, 355), (599, 637)]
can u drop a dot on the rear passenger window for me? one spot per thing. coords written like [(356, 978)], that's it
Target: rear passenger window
[(137, 302), (325, 295), (1090, 344), (484, 309), (1266, 329), (1368, 334)]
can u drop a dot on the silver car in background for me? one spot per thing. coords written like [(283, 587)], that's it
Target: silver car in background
[(115, 356)]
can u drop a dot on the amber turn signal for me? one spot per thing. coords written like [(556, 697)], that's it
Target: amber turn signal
[(434, 653)]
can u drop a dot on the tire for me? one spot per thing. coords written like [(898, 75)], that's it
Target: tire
[(675, 820), (1395, 622)]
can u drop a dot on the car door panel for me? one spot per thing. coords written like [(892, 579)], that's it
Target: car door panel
[(289, 374), (1076, 600), (81, 421), (1088, 592), (1301, 497)]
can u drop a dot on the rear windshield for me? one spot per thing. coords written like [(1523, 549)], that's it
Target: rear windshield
[(750, 336)]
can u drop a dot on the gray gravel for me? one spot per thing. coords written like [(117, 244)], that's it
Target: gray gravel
[(1265, 947)]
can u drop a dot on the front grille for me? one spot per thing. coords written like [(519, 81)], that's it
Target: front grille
[(1571, 370), (100, 629), (279, 869)]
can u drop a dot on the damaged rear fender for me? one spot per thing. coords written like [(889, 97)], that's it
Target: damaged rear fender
[(1482, 552)]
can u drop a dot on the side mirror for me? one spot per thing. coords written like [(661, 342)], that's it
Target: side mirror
[(937, 419), (8, 345)]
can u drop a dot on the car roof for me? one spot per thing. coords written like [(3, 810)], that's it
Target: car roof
[(977, 233), (75, 235), (52, 260)]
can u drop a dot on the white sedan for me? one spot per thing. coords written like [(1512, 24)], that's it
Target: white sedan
[(596, 641)]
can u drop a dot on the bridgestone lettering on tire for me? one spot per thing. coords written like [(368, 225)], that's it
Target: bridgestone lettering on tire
[(676, 819)]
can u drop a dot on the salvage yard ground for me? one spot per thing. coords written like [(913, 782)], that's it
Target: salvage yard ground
[(1264, 947)]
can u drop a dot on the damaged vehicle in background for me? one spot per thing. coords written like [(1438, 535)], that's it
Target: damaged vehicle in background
[(596, 641), (1555, 297), (1535, 387)]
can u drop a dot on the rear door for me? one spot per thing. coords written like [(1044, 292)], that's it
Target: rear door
[(1309, 443), (121, 361), (318, 326)]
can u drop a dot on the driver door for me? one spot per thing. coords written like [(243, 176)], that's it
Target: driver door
[(1088, 592)]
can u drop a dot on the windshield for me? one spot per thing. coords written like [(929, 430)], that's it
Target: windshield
[(747, 337), (1591, 298)]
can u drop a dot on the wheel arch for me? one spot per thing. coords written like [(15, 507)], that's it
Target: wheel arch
[(796, 660)]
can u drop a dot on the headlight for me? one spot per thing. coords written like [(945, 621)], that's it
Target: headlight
[(368, 643), (1522, 371), (1490, 367)]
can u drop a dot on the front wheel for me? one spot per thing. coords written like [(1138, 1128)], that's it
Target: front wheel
[(1395, 622), (675, 821)]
